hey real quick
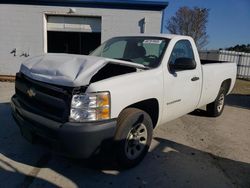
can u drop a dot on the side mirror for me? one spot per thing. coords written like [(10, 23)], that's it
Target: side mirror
[(183, 64)]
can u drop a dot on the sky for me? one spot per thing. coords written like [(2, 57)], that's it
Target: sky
[(228, 21)]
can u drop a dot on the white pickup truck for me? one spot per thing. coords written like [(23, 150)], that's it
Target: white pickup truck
[(119, 94)]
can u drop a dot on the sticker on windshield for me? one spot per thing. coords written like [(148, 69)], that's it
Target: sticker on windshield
[(152, 41)]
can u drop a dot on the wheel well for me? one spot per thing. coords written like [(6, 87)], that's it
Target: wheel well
[(226, 84), (151, 106)]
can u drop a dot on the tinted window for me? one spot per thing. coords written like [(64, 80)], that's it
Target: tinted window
[(182, 49)]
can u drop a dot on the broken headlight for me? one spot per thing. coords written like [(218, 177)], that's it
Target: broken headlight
[(90, 107)]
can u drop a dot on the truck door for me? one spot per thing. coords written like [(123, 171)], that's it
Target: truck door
[(183, 83)]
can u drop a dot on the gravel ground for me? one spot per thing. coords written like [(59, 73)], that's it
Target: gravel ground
[(192, 151)]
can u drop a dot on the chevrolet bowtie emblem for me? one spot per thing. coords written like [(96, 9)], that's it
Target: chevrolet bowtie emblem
[(31, 92)]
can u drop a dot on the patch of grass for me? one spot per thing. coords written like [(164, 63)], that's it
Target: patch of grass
[(241, 87)]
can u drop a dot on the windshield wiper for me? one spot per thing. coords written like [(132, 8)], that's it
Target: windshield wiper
[(124, 59)]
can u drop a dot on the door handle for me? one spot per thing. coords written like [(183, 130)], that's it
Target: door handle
[(195, 78)]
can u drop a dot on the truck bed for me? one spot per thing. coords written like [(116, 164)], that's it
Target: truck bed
[(214, 73)]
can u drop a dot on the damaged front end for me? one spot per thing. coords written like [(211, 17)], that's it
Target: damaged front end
[(47, 84), (75, 70)]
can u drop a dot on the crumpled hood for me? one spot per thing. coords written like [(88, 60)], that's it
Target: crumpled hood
[(66, 69)]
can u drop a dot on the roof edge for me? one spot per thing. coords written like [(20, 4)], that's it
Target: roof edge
[(118, 4)]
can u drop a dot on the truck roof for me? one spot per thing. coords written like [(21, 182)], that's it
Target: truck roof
[(168, 36)]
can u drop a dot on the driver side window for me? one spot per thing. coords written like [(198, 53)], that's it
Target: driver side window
[(182, 49)]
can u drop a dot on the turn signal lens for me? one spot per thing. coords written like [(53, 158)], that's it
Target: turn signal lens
[(103, 100), (103, 113)]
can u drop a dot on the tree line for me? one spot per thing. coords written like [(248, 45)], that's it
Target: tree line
[(240, 48)]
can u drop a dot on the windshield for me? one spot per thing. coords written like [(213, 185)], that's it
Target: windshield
[(146, 51)]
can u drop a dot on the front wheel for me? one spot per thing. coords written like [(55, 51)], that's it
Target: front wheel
[(216, 108), (133, 136)]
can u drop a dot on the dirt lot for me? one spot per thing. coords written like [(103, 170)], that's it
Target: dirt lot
[(192, 151)]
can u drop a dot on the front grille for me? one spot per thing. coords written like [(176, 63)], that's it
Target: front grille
[(51, 101)]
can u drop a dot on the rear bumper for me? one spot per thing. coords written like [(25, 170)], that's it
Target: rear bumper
[(79, 140)]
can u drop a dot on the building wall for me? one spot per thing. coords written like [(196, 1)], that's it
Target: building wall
[(23, 27)]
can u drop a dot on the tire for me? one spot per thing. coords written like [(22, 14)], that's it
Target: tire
[(133, 137), (216, 108)]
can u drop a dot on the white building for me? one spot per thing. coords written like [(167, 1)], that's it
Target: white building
[(29, 28)]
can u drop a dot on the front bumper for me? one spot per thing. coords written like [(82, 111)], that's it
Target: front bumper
[(79, 140)]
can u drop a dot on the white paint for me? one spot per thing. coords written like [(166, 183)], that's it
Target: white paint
[(179, 86)]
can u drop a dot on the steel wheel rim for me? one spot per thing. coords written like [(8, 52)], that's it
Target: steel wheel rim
[(220, 102), (136, 141)]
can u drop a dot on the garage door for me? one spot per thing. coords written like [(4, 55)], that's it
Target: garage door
[(72, 23), (71, 34)]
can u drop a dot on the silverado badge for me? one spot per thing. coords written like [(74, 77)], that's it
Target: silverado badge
[(31, 92)]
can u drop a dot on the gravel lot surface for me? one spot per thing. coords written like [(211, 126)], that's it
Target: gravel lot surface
[(192, 151)]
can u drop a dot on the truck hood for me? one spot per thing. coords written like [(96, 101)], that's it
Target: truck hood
[(66, 69)]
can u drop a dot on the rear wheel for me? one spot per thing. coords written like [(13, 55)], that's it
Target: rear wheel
[(133, 136), (216, 108)]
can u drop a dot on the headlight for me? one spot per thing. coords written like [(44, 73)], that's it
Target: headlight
[(90, 107)]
